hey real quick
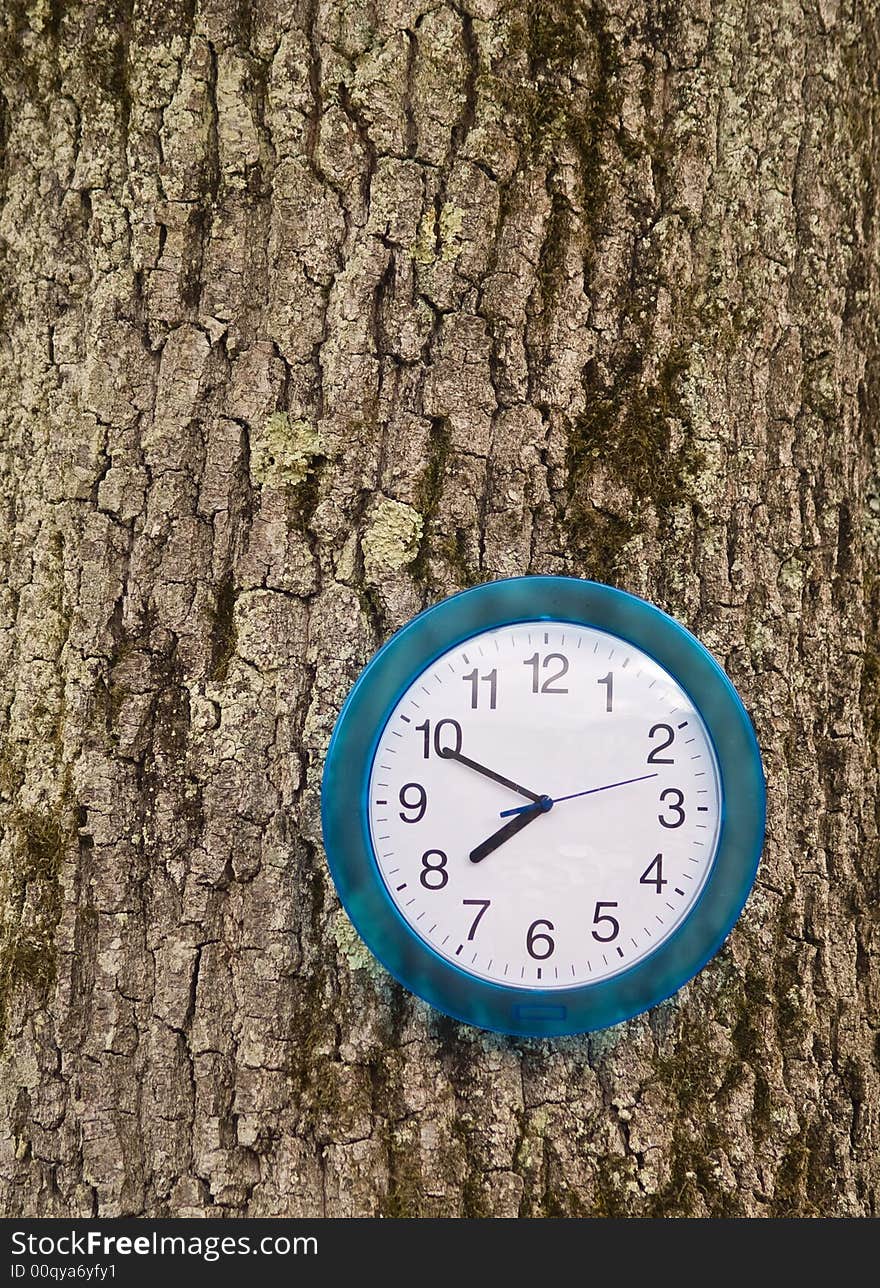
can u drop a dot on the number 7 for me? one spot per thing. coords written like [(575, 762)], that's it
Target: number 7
[(482, 904)]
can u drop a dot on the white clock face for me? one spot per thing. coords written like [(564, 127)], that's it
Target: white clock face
[(544, 805)]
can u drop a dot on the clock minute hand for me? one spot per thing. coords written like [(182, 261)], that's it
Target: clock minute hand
[(448, 754), (527, 814), (505, 813)]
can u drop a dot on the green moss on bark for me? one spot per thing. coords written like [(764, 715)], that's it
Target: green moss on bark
[(32, 902), (636, 433), (224, 634), (564, 108), (869, 694), (453, 547)]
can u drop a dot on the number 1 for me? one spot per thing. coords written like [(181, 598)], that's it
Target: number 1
[(608, 681)]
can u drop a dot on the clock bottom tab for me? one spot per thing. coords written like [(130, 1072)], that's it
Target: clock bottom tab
[(543, 805), (538, 1014)]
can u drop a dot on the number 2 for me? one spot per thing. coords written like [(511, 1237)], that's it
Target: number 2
[(654, 757)]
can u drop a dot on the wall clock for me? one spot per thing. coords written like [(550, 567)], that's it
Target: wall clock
[(543, 806)]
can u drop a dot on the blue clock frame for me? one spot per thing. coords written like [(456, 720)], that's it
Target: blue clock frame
[(528, 1012)]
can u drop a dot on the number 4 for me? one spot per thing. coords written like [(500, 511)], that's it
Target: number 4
[(658, 881)]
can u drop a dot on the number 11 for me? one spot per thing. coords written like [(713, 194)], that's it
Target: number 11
[(473, 678)]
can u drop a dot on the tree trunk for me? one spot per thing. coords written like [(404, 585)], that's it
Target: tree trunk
[(314, 312)]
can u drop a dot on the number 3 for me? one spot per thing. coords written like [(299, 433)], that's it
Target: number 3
[(675, 806)]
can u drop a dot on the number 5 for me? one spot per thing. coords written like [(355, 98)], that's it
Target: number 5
[(600, 916)]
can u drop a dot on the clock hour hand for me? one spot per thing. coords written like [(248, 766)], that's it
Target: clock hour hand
[(526, 815), (447, 753)]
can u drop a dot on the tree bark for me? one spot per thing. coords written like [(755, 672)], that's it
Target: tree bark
[(313, 313)]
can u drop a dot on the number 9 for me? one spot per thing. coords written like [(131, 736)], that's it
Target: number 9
[(419, 805)]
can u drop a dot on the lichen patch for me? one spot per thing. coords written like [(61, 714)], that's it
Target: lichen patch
[(392, 539), (283, 450), (439, 235), (352, 947)]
